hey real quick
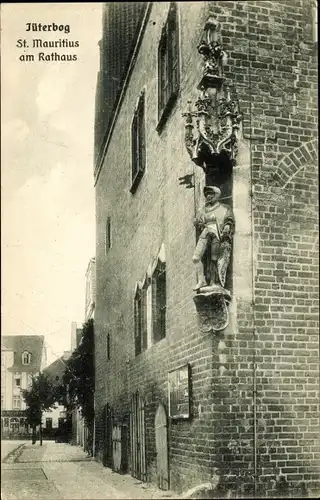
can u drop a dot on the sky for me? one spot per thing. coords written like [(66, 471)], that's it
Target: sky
[(47, 190)]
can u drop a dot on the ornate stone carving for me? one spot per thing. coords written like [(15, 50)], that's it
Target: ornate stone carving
[(216, 222), (212, 312), (218, 120), (216, 114), (214, 57), (212, 124)]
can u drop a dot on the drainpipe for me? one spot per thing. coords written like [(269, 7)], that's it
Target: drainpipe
[(254, 412)]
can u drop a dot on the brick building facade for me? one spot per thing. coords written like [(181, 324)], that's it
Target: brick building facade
[(254, 386)]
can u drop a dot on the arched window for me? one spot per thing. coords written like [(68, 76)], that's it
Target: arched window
[(26, 358), (14, 424)]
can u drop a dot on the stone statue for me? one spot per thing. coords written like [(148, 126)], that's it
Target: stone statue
[(216, 222)]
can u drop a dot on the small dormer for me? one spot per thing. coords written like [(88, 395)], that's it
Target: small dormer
[(26, 358)]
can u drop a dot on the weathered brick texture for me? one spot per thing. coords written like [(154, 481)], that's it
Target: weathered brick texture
[(255, 386)]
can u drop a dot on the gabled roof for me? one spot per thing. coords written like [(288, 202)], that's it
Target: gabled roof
[(33, 344), (57, 368)]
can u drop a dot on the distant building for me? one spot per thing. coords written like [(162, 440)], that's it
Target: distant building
[(55, 418), (21, 357)]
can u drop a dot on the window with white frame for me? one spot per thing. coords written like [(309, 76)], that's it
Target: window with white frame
[(150, 304), (26, 358), (16, 402)]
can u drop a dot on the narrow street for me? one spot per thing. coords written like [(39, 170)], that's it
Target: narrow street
[(62, 471)]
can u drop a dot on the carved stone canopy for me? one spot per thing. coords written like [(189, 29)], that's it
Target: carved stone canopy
[(214, 57), (212, 124)]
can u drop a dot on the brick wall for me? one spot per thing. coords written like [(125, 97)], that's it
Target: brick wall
[(121, 22), (270, 344)]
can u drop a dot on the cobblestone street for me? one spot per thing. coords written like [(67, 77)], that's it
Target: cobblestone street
[(62, 471)]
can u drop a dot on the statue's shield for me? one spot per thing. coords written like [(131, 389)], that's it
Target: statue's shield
[(212, 311)]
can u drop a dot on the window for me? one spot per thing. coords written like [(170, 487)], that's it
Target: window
[(138, 144), (159, 302), (108, 346), (49, 423), (108, 234), (16, 402), (18, 382), (26, 358), (14, 424), (140, 320), (168, 65)]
